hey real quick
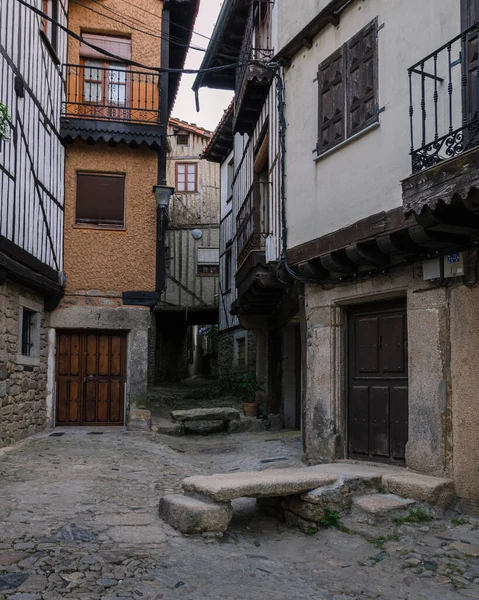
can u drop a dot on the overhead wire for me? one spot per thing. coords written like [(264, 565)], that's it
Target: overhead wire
[(129, 62)]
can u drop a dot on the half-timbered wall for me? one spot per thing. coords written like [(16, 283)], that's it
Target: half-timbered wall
[(227, 290), (197, 209), (31, 162)]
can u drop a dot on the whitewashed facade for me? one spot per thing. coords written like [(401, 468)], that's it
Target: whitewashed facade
[(32, 161)]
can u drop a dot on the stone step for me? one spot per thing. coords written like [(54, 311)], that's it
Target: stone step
[(206, 414), (204, 427), (194, 515), (435, 491), (257, 484), (377, 508), (167, 427)]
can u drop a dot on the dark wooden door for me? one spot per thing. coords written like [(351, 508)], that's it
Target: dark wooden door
[(378, 383), (90, 378)]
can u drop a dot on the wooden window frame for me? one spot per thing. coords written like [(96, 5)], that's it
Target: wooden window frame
[(182, 135), (49, 29), (228, 259), (207, 264), (105, 226), (346, 103), (186, 164), (105, 68)]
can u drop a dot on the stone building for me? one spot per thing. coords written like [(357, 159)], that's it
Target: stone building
[(31, 209), (378, 222), (190, 299), (114, 125)]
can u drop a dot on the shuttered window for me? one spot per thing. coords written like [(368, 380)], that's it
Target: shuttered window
[(100, 200), (186, 177), (208, 261), (348, 87)]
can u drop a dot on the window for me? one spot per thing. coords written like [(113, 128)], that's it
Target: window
[(106, 82), (182, 139), (227, 272), (29, 316), (186, 177), (100, 200), (208, 261), (28, 324), (348, 86), (48, 28), (240, 351)]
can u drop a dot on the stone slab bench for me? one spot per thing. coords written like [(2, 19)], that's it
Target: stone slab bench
[(257, 484), (206, 414)]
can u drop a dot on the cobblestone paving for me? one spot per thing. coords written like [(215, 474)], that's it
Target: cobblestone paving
[(78, 520)]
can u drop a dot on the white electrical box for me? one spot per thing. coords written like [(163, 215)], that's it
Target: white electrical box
[(431, 269), (454, 264)]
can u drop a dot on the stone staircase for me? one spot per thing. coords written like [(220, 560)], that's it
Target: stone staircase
[(307, 497)]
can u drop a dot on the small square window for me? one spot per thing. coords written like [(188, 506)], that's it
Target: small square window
[(241, 352), (208, 261), (186, 177), (100, 200), (182, 139)]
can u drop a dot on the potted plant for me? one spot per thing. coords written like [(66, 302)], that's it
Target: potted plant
[(248, 387)]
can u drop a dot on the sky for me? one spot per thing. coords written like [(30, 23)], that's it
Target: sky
[(212, 102)]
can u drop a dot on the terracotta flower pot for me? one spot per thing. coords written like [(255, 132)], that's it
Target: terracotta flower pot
[(250, 409)]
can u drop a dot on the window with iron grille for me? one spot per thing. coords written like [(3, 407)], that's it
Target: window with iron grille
[(186, 177), (100, 200), (28, 331), (348, 89), (208, 262), (241, 352)]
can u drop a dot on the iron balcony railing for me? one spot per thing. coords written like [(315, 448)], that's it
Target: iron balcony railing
[(444, 101), (249, 55), (111, 94)]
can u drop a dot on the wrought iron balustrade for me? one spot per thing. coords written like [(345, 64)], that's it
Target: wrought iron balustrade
[(444, 101), (111, 94), (250, 55)]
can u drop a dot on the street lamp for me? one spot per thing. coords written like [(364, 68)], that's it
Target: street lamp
[(163, 195)]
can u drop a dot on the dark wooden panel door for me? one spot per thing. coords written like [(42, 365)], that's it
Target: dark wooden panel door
[(90, 378), (469, 18), (378, 383)]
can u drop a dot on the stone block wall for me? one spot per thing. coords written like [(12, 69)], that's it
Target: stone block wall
[(23, 380)]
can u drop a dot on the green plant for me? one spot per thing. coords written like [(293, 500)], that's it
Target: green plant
[(330, 518), (4, 126), (380, 542), (248, 386), (456, 521), (416, 515)]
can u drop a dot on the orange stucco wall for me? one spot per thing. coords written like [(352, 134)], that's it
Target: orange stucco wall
[(112, 261), (109, 260), (145, 48)]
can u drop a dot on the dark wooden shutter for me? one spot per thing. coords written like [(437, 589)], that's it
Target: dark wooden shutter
[(331, 109), (469, 17), (362, 79), (100, 199)]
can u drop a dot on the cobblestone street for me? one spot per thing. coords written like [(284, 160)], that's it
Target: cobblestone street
[(79, 520)]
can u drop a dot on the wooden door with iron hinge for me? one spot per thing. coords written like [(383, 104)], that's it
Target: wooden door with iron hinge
[(90, 371)]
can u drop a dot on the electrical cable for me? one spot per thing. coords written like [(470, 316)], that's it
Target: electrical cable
[(131, 62), (171, 39)]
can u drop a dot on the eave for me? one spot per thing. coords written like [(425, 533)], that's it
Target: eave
[(221, 143), (224, 46), (113, 133)]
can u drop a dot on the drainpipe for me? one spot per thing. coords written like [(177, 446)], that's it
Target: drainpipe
[(164, 88)]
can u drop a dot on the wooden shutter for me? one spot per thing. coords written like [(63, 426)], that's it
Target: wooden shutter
[(469, 13), (362, 79), (331, 109), (100, 199), (470, 16)]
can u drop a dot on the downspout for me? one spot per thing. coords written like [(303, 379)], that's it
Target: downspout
[(164, 92)]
